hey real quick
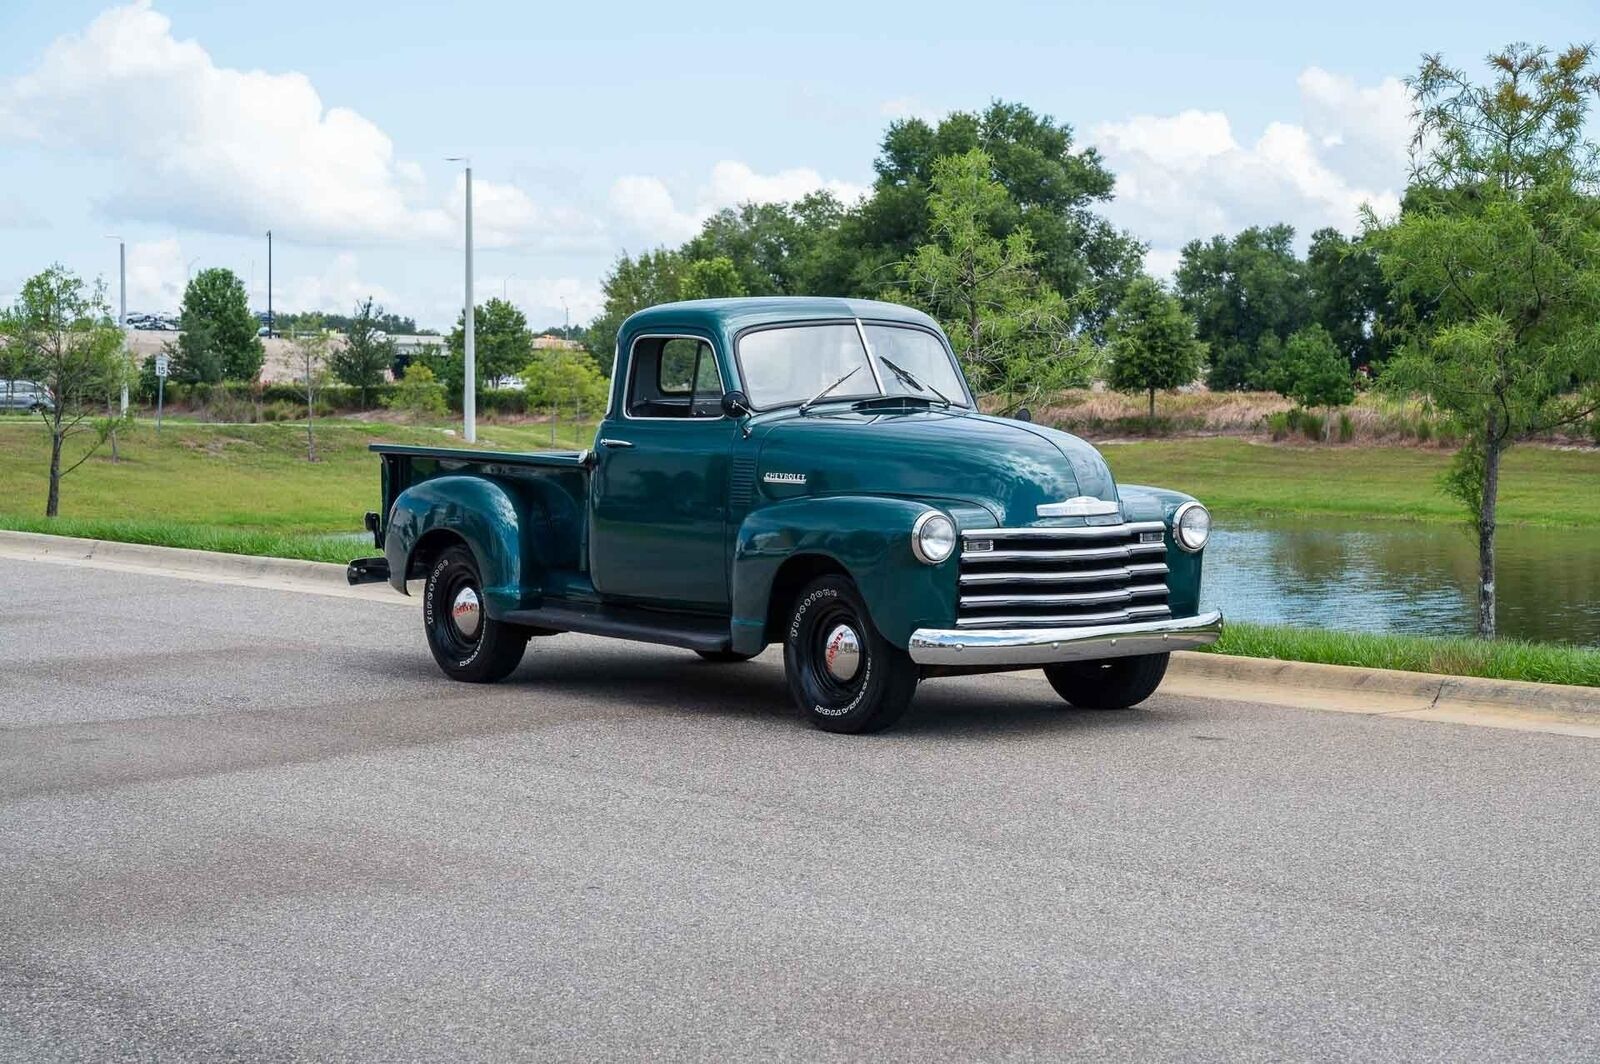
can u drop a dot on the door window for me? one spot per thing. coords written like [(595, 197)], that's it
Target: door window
[(673, 377)]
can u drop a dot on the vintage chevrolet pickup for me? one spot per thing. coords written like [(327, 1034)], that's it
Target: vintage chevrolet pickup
[(811, 472)]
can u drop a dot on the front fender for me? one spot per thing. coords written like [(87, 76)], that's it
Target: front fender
[(868, 536), (1143, 503), (485, 514)]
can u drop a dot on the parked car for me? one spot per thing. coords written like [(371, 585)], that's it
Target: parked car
[(26, 396), (810, 472)]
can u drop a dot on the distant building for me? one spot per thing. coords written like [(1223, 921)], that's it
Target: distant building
[(549, 341)]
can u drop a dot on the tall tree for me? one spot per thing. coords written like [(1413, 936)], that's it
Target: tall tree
[(1014, 334), (632, 285), (502, 342), (1247, 296), (716, 278), (219, 330), (60, 335), (367, 351), (1152, 343), (1349, 297), (1503, 241), (1052, 188)]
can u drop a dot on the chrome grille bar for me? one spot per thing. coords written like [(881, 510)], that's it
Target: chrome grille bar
[(1132, 613), (1064, 576), (1076, 554), (1087, 598), (1077, 532)]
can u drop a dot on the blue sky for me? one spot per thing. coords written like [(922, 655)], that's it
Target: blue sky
[(189, 128)]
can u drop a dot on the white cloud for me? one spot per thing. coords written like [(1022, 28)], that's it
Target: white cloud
[(644, 206), (335, 290), (1187, 175), (156, 276), (237, 151)]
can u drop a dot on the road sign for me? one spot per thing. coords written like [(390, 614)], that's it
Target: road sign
[(161, 365)]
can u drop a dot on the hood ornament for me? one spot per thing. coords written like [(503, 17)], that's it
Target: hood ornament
[(1080, 506)]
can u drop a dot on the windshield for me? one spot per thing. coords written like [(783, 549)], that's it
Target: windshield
[(922, 355), (789, 365)]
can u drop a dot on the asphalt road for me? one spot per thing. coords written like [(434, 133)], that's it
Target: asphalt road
[(250, 824)]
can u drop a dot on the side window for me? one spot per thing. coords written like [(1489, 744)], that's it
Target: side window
[(672, 377)]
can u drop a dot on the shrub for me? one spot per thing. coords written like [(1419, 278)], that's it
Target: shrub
[(418, 393), (1347, 428)]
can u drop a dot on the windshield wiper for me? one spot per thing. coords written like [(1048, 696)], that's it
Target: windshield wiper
[(906, 378), (815, 399)]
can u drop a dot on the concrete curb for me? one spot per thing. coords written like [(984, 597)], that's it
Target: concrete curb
[(1195, 666), (278, 574)]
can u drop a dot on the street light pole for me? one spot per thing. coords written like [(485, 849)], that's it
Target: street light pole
[(469, 383), (122, 311), (271, 331)]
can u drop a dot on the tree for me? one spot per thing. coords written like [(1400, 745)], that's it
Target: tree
[(1314, 372), (1052, 187), (1349, 297), (61, 336), (1247, 295), (310, 348), (219, 340), (1502, 241), (555, 379), (710, 279), (1152, 343), (1013, 333), (632, 285), (501, 341), (367, 351), (417, 393)]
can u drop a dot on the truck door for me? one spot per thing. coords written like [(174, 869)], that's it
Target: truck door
[(661, 480)]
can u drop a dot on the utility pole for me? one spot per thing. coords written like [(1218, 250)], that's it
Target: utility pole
[(469, 383), (566, 321), (271, 331)]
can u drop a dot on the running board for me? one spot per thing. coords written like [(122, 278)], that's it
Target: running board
[(688, 630)]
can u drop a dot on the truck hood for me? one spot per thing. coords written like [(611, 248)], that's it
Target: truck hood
[(1006, 467)]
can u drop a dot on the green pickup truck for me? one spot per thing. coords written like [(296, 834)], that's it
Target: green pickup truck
[(811, 472)]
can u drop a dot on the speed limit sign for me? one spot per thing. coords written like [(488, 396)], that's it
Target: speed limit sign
[(161, 365)]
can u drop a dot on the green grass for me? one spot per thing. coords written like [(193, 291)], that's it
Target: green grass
[(1501, 659), (1538, 486), (241, 488)]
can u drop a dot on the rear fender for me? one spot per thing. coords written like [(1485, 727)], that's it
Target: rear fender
[(867, 536), (493, 522)]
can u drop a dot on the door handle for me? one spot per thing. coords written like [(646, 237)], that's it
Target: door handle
[(607, 442)]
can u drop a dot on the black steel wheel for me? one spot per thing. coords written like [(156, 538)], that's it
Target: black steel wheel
[(468, 644), (843, 674), (1114, 683)]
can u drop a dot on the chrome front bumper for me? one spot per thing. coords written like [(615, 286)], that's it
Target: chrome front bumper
[(1047, 646)]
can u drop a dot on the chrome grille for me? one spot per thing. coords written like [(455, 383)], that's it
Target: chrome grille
[(1059, 577)]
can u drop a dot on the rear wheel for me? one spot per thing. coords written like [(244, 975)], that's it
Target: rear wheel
[(1115, 683), (842, 673), (468, 644)]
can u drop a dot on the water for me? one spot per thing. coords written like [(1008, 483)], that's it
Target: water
[(1390, 576)]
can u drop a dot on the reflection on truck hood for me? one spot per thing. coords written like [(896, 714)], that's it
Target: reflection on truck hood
[(1007, 467)]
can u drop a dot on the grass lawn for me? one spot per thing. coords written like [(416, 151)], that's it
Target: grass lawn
[(245, 489), (1502, 659), (1234, 476)]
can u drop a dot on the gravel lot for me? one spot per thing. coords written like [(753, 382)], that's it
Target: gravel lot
[(254, 824)]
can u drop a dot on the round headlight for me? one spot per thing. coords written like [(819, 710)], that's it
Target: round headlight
[(933, 537), (1191, 526)]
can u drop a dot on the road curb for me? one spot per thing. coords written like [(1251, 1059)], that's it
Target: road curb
[(1430, 687), (242, 568)]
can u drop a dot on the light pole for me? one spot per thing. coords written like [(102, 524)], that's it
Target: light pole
[(469, 383), (122, 311), (271, 332), (188, 270), (505, 282), (566, 321)]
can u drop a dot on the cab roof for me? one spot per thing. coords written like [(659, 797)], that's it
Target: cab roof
[(728, 316)]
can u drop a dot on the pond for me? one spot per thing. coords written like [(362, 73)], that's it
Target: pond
[(1391, 576)]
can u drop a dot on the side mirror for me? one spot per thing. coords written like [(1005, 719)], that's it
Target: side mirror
[(1023, 414), (735, 404)]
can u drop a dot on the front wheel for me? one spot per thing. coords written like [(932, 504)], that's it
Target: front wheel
[(1115, 683), (468, 644), (842, 673)]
